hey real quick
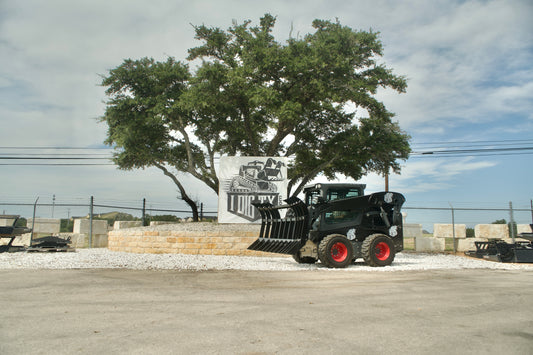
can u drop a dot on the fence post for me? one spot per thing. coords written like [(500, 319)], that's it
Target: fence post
[(144, 212), (33, 220), (453, 229), (531, 202), (91, 222)]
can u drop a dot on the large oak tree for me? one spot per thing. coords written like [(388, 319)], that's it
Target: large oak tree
[(254, 96)]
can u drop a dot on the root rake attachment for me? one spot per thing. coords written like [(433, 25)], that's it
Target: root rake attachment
[(282, 235)]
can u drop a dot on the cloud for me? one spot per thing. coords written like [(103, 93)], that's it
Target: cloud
[(468, 65), (458, 60), (427, 175)]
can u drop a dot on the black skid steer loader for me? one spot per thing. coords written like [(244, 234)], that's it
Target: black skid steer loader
[(336, 224)]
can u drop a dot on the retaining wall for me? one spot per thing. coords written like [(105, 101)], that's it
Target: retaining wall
[(447, 230), (188, 238), (430, 244), (412, 230), (126, 224), (46, 226), (499, 231), (80, 235)]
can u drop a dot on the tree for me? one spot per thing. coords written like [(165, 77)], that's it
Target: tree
[(147, 125), (252, 95)]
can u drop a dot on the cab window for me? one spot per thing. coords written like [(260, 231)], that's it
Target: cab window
[(340, 216), (312, 197), (340, 193)]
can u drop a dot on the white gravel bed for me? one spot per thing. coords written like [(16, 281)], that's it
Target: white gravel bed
[(106, 259)]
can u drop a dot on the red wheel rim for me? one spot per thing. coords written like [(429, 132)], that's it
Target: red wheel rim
[(339, 252), (382, 251)]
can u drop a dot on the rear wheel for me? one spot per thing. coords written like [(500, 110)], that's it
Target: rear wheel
[(335, 251), (378, 250)]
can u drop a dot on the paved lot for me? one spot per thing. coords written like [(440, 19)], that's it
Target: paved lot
[(260, 312)]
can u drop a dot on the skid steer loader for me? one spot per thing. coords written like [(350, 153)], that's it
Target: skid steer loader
[(336, 224)]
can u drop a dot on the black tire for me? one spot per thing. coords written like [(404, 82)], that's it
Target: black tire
[(378, 250), (303, 260), (335, 251)]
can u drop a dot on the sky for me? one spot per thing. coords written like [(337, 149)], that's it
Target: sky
[(470, 87)]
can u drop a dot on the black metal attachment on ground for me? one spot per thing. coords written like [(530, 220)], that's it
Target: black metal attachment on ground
[(500, 250), (43, 244), (49, 244), (11, 232)]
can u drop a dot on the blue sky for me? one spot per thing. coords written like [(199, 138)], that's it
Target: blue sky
[(468, 64)]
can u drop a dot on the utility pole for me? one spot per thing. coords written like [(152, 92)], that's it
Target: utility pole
[(144, 212), (91, 210), (531, 202), (387, 179)]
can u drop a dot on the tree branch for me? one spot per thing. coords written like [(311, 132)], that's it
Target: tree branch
[(309, 176), (182, 191)]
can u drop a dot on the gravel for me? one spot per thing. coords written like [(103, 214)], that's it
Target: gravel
[(106, 259)]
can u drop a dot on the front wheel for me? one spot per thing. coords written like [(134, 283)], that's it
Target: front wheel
[(378, 250), (335, 251)]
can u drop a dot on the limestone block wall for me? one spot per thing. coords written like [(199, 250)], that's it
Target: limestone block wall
[(488, 231), (80, 235), (412, 230), (468, 244), (446, 231), (430, 244), (126, 224), (48, 226), (82, 226), (188, 238), (160, 223), (523, 228)]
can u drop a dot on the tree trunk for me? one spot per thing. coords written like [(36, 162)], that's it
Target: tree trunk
[(183, 193)]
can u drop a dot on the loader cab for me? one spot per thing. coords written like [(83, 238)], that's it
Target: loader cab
[(339, 217), (320, 193)]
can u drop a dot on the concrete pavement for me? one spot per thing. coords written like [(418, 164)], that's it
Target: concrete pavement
[(250, 312)]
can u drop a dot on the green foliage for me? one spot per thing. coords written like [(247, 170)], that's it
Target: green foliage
[(21, 222), (254, 96), (470, 233), (66, 226), (500, 221), (164, 218)]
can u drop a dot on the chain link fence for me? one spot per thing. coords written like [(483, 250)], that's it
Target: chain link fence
[(143, 211), (146, 211)]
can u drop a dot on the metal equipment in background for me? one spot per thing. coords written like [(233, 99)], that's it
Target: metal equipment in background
[(336, 224), (500, 250), (11, 232), (43, 244)]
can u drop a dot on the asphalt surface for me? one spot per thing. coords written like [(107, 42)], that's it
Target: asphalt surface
[(263, 312)]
